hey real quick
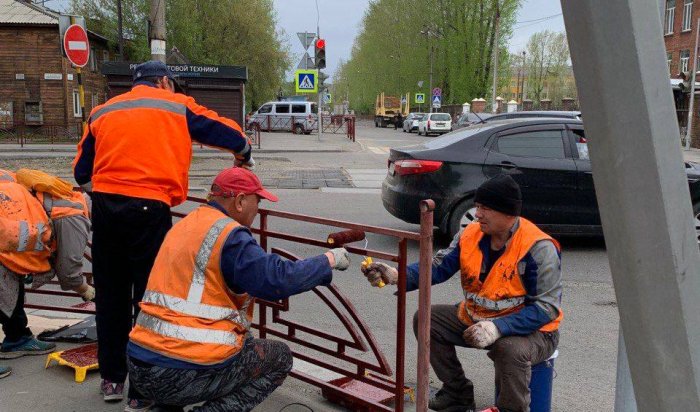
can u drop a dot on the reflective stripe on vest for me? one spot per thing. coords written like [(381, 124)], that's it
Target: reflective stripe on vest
[(144, 103), (5, 177), (211, 336), (23, 236), (489, 304), (39, 245), (199, 310), (49, 203), (202, 258)]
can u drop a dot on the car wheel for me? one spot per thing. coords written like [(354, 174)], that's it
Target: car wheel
[(298, 129), (696, 214), (462, 215)]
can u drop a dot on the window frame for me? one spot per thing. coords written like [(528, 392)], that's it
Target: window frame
[(288, 106), (298, 105), (40, 113), (264, 106), (492, 142), (669, 17), (77, 108), (687, 24), (684, 61)]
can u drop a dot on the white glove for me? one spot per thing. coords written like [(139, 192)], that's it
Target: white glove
[(481, 334), (89, 294), (341, 258)]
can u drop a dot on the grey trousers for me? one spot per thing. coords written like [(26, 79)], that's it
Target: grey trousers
[(512, 357), (258, 369)]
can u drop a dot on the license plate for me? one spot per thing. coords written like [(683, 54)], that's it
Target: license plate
[(440, 124), (391, 169)]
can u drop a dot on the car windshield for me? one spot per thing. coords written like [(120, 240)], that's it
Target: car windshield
[(454, 137), (442, 117), (416, 115)]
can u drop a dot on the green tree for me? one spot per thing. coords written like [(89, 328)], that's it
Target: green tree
[(223, 32), (547, 66)]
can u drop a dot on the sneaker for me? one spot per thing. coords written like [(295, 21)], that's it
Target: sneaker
[(444, 402), (112, 391), (138, 405), (25, 346), (5, 371)]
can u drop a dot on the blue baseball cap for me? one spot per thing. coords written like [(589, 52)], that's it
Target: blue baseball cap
[(152, 69)]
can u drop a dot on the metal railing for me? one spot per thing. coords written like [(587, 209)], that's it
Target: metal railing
[(23, 134)]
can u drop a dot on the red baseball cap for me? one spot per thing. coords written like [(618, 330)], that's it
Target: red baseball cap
[(236, 180)]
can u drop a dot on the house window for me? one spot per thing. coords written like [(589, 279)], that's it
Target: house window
[(669, 60), (685, 59), (670, 15), (77, 110), (33, 114), (93, 60), (687, 15)]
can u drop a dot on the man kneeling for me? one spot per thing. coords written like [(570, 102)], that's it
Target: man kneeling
[(192, 342)]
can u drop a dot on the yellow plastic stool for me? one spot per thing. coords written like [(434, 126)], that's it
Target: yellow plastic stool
[(82, 359)]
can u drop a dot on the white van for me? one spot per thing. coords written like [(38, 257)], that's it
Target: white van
[(294, 116)]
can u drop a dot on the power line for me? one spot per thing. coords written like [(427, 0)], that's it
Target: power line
[(540, 19)]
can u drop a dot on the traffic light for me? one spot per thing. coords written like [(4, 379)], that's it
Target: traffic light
[(320, 53)]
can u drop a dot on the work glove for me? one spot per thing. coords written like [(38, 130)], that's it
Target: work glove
[(481, 334), (89, 294), (44, 182), (341, 258), (377, 272)]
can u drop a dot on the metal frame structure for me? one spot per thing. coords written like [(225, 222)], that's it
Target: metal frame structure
[(271, 320)]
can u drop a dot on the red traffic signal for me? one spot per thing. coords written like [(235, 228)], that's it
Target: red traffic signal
[(320, 54), (320, 43)]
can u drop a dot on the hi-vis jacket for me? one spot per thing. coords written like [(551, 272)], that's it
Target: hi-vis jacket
[(139, 144), (188, 312), (57, 208), (25, 232), (502, 292)]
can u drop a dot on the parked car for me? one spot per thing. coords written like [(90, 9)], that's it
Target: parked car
[(470, 118), (411, 122), (547, 157), (559, 114), (297, 117), (435, 123)]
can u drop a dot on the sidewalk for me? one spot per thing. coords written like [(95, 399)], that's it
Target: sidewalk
[(270, 143), (691, 155)]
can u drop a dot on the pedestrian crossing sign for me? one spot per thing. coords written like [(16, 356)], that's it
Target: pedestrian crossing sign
[(420, 98), (305, 81)]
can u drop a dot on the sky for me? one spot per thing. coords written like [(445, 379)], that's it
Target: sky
[(340, 21)]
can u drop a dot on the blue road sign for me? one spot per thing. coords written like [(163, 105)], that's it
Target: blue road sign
[(305, 81), (437, 101)]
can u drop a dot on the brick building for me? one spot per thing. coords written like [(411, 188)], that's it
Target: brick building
[(679, 26), (38, 86)]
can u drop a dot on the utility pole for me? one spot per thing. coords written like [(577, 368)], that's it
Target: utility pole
[(430, 89), (522, 89), (494, 109), (691, 112), (120, 29), (156, 33)]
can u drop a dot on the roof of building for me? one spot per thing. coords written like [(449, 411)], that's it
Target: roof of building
[(21, 12)]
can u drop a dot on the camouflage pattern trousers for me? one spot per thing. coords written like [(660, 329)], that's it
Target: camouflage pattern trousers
[(258, 369)]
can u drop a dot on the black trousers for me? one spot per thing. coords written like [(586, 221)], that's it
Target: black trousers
[(127, 234), (15, 326)]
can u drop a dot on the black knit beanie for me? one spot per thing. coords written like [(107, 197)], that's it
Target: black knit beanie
[(502, 194)]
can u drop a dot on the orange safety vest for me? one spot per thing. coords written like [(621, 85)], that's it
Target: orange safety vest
[(57, 207), (188, 312), (25, 231), (143, 146), (502, 292)]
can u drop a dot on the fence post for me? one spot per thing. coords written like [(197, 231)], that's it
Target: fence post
[(424, 284)]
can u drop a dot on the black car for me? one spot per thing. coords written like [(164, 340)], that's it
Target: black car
[(470, 118), (547, 157)]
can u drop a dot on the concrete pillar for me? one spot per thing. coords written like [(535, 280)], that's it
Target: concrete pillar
[(478, 105), (624, 392), (655, 267), (527, 105), (545, 104), (499, 104), (568, 103), (512, 106), (466, 107)]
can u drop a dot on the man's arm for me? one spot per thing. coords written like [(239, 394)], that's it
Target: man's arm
[(542, 281), (84, 160), (248, 268), (207, 127), (445, 265)]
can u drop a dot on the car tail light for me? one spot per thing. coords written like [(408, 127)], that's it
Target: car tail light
[(414, 167), (428, 124)]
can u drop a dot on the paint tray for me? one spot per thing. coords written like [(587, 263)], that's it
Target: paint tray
[(82, 359)]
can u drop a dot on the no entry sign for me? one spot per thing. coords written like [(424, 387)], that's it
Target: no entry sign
[(76, 45)]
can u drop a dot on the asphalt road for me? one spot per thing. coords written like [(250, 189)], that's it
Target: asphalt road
[(585, 369)]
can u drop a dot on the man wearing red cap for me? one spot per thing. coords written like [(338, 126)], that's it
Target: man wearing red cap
[(192, 340)]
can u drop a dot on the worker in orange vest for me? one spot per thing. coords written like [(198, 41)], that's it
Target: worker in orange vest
[(41, 236), (511, 280), (192, 341), (134, 158)]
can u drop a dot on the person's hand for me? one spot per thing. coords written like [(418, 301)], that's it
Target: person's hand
[(86, 292), (338, 258), (377, 272), (481, 334), (248, 164)]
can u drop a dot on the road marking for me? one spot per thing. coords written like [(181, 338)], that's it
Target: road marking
[(367, 178), (379, 150)]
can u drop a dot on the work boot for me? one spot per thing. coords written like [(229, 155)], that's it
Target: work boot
[(446, 402), (25, 346), (5, 371)]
